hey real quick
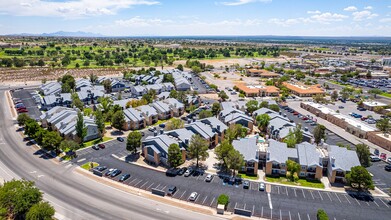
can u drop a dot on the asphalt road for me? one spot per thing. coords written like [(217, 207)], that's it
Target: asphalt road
[(284, 203), (73, 195)]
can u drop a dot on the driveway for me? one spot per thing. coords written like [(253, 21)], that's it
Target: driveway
[(25, 95)]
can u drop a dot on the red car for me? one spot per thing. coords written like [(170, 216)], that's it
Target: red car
[(23, 110), (20, 107), (101, 146), (305, 118), (295, 113)]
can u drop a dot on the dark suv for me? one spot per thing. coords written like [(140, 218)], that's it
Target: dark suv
[(171, 190)]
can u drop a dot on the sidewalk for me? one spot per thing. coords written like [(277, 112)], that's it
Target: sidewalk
[(336, 129)]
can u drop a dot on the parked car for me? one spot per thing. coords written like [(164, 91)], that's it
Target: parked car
[(193, 196), (209, 178), (115, 173), (261, 186), (188, 172), (313, 123), (374, 158), (101, 168), (162, 125), (389, 160), (120, 139), (388, 167), (101, 146), (171, 190), (151, 129), (172, 172), (108, 173), (182, 171), (95, 147), (124, 177), (246, 184), (295, 113), (377, 152), (22, 110), (361, 109), (341, 107)]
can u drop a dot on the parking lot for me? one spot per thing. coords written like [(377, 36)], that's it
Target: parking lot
[(332, 138), (283, 203), (381, 177), (198, 86), (26, 96)]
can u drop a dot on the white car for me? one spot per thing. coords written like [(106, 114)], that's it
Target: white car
[(261, 187), (209, 178), (193, 196), (389, 160)]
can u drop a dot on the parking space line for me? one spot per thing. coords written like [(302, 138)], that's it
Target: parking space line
[(280, 215), (320, 195), (312, 194), (156, 187), (329, 196), (384, 203), (367, 203), (308, 215), (132, 181), (295, 192), (270, 201), (212, 202), (143, 184), (298, 214), (150, 185), (278, 188), (197, 198), (244, 206), (182, 194), (290, 218), (286, 188), (338, 197), (204, 200), (253, 209), (376, 203), (357, 201), (262, 212), (347, 199), (164, 188), (303, 192), (138, 183)]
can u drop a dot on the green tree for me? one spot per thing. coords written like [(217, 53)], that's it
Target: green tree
[(174, 155), (198, 148), (223, 96), (81, 130), (22, 119), (383, 125), (359, 178), (31, 127), (216, 108), (223, 199), (100, 122), (274, 107), (375, 92), (107, 85), (69, 80), (205, 114), (105, 104), (252, 106), (321, 215), (293, 169), (17, 197), (263, 121), (133, 141), (93, 78), (235, 131), (175, 123), (263, 104), (69, 145), (346, 92), (173, 94), (319, 133), (290, 139), (235, 160), (51, 141), (76, 102), (222, 151), (363, 154), (298, 134), (334, 95), (40, 211), (118, 120), (180, 67)]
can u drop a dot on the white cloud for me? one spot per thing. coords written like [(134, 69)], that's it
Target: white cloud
[(141, 22), (350, 8), (385, 20), (368, 8), (242, 2), (328, 17), (285, 22), (68, 8), (313, 12), (363, 15)]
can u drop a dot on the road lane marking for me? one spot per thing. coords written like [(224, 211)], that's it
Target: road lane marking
[(81, 160), (33, 172), (39, 176), (270, 201), (338, 197)]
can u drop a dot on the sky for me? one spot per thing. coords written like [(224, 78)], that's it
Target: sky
[(198, 17)]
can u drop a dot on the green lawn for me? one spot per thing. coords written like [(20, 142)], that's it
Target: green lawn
[(300, 182), (386, 94), (245, 176), (87, 166), (96, 141)]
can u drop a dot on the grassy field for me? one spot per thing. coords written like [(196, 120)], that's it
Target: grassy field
[(245, 176), (386, 94), (87, 166), (300, 182)]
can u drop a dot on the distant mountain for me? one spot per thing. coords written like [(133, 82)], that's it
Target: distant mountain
[(61, 34)]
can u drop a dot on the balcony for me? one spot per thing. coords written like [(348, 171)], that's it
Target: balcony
[(311, 170), (276, 166), (340, 174)]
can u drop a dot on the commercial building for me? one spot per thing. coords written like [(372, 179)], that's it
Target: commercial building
[(257, 90), (302, 90), (261, 73)]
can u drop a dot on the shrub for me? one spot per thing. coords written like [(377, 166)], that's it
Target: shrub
[(223, 199), (322, 215)]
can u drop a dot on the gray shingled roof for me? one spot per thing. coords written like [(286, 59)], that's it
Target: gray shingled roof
[(262, 111), (161, 106), (147, 110), (278, 123), (133, 115), (279, 152), (202, 129), (308, 155), (213, 121), (344, 159), (247, 147)]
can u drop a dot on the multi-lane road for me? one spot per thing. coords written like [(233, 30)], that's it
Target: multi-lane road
[(73, 195)]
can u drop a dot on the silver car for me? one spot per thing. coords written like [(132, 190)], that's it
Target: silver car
[(209, 178)]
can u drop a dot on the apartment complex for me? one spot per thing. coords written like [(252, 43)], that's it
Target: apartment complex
[(302, 90)]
